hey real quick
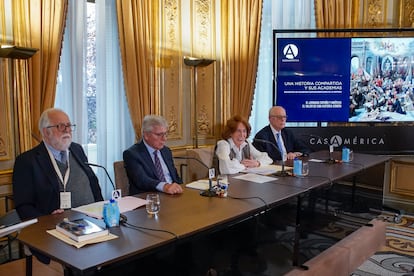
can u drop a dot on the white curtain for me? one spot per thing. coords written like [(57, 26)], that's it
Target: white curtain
[(113, 124), (115, 131), (277, 14), (71, 83)]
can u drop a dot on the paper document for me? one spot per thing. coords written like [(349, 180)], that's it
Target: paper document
[(202, 184), (68, 240), (126, 203), (317, 160), (266, 170), (255, 178)]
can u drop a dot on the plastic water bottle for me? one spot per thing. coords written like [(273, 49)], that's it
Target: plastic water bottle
[(297, 167), (111, 213), (345, 154)]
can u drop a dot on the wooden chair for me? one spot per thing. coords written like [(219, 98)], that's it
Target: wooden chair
[(121, 178), (196, 170)]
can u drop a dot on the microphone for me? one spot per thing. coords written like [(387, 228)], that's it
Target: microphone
[(211, 174), (107, 174), (193, 158), (330, 160), (282, 172)]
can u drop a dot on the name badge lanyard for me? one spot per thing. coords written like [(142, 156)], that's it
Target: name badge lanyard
[(64, 180)]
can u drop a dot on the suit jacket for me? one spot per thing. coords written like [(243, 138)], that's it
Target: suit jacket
[(291, 143), (141, 169), (36, 184)]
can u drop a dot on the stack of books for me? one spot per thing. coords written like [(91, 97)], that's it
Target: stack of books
[(81, 230)]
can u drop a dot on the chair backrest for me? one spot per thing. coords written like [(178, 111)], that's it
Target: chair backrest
[(195, 169), (121, 178)]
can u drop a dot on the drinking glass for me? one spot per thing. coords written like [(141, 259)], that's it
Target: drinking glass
[(351, 155), (222, 185), (222, 179), (305, 168), (153, 204)]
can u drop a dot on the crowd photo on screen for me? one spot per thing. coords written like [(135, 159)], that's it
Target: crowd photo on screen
[(381, 80)]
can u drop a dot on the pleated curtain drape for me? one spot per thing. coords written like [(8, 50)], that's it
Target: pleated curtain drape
[(46, 21), (137, 31), (337, 14), (36, 24), (240, 36)]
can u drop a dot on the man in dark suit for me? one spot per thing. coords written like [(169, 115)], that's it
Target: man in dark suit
[(53, 176), (149, 163), (288, 143)]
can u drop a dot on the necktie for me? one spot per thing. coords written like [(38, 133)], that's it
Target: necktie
[(279, 144), (158, 168), (63, 157)]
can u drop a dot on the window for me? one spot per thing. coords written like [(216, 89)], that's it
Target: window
[(90, 85), (276, 15)]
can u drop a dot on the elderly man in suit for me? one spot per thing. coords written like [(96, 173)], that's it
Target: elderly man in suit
[(281, 141), (53, 176), (149, 163)]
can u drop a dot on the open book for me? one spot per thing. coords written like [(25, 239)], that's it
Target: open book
[(81, 229)]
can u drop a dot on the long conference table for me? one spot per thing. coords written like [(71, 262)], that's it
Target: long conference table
[(187, 215)]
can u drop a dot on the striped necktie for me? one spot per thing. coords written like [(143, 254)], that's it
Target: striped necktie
[(158, 168)]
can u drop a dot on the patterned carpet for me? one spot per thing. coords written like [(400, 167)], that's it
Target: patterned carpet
[(396, 257), (400, 237)]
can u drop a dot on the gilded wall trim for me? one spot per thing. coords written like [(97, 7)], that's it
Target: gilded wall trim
[(375, 13), (170, 70), (401, 178), (406, 13), (203, 46), (188, 25)]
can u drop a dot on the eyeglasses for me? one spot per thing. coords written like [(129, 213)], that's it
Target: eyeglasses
[(161, 134), (280, 117), (62, 127)]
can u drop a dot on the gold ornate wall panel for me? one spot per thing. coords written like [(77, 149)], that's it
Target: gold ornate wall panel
[(398, 183), (402, 178), (388, 13), (170, 69), (203, 46), (187, 28), (375, 13), (406, 18)]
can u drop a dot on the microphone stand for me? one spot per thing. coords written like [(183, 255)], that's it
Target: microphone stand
[(281, 173), (209, 192), (211, 174), (331, 160), (107, 174)]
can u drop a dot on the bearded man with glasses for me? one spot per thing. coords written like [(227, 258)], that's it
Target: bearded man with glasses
[(53, 176), (149, 163)]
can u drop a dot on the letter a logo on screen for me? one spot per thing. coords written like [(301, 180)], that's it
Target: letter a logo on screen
[(290, 51)]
